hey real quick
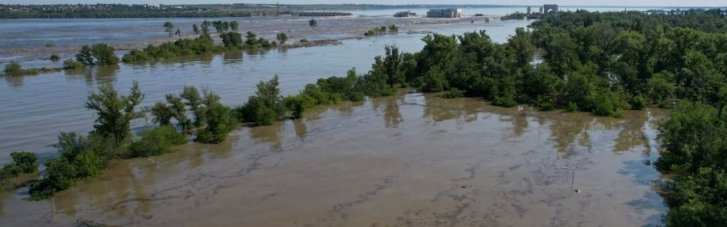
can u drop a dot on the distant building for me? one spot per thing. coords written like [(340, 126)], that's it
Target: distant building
[(445, 13), (550, 8), (405, 14), (529, 10)]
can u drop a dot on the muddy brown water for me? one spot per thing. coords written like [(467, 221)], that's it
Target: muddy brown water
[(405, 160)]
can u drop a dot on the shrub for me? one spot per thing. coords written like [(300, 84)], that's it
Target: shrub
[(72, 64), (638, 102), (220, 121), (296, 105), (607, 103), (60, 174), (453, 93), (55, 57), (156, 141), (27, 162), (98, 54), (13, 69), (282, 37)]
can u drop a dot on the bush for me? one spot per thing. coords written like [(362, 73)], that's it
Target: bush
[(23, 162), (55, 57), (27, 162), (13, 69), (98, 54), (638, 102), (72, 64), (453, 93), (60, 174), (607, 103), (296, 105), (220, 121), (156, 142)]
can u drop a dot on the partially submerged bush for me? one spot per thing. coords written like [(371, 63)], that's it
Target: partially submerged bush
[(156, 142)]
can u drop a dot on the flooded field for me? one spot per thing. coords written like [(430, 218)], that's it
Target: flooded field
[(36, 108), (406, 160)]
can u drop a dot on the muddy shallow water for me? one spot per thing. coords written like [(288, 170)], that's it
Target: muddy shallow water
[(405, 160)]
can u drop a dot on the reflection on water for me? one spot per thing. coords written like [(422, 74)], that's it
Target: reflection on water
[(451, 161), (99, 74)]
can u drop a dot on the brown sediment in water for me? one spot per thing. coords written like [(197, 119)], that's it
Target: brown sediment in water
[(405, 160)]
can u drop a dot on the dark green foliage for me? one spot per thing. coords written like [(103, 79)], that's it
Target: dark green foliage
[(313, 23), (193, 100), (296, 105), (282, 37), (195, 28), (81, 157), (265, 107), (695, 141), (234, 25), (453, 93), (54, 57), (23, 162), (114, 112), (156, 142), (13, 69), (220, 121), (231, 39), (98, 54), (376, 31), (606, 103), (180, 48), (169, 27)]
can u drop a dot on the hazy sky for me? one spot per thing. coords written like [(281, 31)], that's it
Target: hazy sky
[(500, 2)]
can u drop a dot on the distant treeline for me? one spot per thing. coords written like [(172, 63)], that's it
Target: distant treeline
[(201, 10), (123, 11)]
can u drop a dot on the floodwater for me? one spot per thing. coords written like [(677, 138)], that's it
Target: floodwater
[(35, 109), (405, 160)]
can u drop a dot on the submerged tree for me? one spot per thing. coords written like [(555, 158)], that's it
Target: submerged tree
[(169, 27), (114, 112), (282, 37)]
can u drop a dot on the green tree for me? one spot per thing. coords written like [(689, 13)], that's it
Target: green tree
[(98, 54), (282, 37), (169, 27), (313, 23), (195, 28), (114, 112), (234, 26), (13, 69)]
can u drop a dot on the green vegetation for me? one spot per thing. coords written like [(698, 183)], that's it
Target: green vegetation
[(282, 37), (313, 23), (169, 27), (98, 54), (382, 30), (72, 64), (202, 45), (604, 62), (54, 57), (157, 141), (15, 69), (23, 162), (514, 16)]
